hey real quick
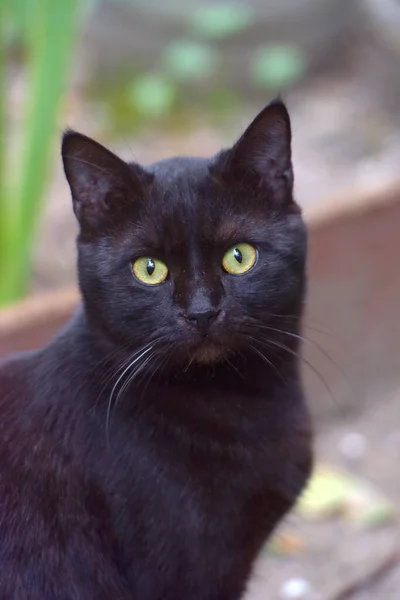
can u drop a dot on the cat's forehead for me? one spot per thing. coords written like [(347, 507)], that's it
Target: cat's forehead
[(181, 196), (180, 184), (180, 169), (182, 189), (186, 205)]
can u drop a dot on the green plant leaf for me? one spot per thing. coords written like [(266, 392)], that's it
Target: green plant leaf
[(325, 494), (222, 20), (3, 88), (48, 40), (188, 60), (277, 66), (152, 95)]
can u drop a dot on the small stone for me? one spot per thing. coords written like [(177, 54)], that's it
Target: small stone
[(295, 589), (353, 446)]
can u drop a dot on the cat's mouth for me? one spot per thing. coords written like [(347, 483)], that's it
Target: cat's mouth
[(207, 347)]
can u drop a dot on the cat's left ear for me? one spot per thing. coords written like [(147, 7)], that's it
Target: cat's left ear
[(262, 157)]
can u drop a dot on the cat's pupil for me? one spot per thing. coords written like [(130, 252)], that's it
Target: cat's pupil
[(238, 255), (150, 267)]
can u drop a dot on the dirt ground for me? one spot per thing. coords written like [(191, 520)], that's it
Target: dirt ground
[(337, 555), (337, 145)]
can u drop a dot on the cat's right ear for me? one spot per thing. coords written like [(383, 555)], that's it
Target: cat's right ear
[(101, 183)]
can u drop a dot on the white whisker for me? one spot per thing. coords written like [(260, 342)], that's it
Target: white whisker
[(130, 365)]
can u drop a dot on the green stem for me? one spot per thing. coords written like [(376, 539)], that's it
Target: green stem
[(6, 217), (51, 34), (3, 88)]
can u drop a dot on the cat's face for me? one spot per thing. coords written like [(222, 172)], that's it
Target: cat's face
[(193, 255)]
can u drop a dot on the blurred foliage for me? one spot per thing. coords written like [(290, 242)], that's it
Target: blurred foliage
[(220, 21), (153, 95), (188, 60), (189, 76), (277, 66), (44, 29)]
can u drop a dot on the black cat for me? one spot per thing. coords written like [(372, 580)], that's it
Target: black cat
[(149, 451)]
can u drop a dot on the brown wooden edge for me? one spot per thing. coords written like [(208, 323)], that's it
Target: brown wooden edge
[(350, 204), (38, 309)]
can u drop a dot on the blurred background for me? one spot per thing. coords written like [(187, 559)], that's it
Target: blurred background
[(185, 77)]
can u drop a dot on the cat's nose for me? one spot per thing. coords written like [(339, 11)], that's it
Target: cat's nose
[(203, 320)]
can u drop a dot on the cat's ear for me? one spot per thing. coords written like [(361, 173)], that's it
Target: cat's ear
[(101, 183), (262, 156)]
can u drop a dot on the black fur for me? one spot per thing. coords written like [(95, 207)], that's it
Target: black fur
[(163, 479)]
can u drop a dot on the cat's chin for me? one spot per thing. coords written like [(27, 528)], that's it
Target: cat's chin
[(208, 352)]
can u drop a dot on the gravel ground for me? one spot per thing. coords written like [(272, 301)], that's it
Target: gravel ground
[(337, 554)]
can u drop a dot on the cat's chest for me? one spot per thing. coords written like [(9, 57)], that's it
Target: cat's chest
[(193, 493), (173, 531), (183, 507)]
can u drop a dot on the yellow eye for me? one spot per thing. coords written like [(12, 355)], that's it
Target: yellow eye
[(150, 270), (239, 259)]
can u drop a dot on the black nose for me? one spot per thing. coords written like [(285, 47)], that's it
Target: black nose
[(203, 320)]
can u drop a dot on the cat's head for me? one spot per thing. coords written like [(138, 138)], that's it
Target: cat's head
[(195, 256)]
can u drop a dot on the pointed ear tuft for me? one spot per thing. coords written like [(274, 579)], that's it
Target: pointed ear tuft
[(101, 183), (262, 156)]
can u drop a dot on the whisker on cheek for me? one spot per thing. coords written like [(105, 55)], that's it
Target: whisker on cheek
[(270, 343)]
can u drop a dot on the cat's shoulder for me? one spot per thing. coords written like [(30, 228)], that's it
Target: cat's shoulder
[(16, 375)]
